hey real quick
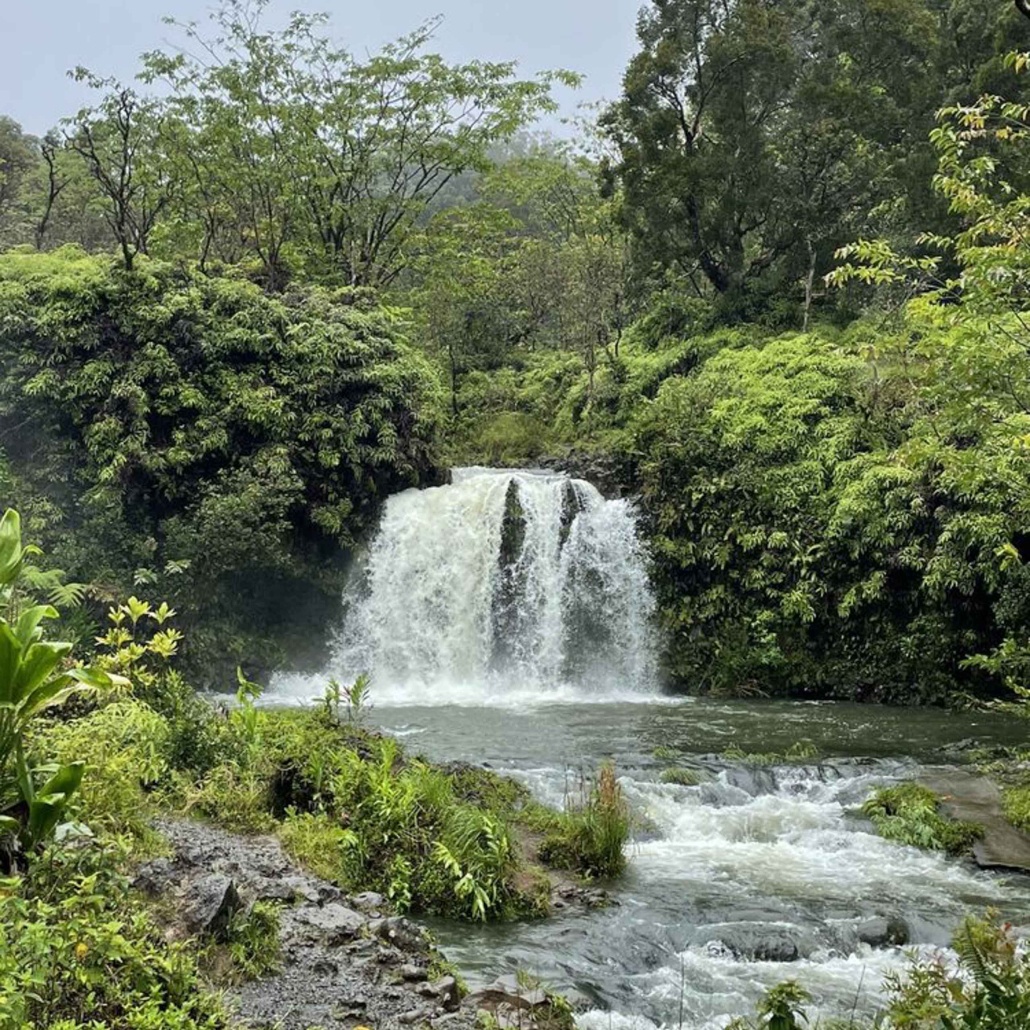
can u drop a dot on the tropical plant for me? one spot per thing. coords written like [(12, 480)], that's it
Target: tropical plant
[(909, 813), (34, 676), (591, 836)]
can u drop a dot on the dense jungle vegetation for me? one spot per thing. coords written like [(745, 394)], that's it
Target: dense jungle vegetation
[(265, 289), (778, 290)]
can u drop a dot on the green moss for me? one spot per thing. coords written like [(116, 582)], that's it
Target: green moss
[(1016, 803), (800, 751), (908, 813), (680, 776)]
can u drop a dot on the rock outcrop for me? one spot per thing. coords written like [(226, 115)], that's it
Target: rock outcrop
[(345, 960)]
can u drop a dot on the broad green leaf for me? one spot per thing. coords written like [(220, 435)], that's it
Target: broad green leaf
[(10, 660), (27, 625), (44, 815), (65, 781), (10, 547), (37, 665)]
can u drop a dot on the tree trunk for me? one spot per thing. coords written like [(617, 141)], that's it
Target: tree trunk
[(809, 283)]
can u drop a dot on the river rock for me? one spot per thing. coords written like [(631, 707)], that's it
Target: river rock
[(155, 877), (398, 931), (369, 902), (333, 923), (883, 932), (760, 942), (507, 991), (445, 991)]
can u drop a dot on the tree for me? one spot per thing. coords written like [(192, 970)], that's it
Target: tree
[(18, 158), (118, 142), (302, 148), (751, 135)]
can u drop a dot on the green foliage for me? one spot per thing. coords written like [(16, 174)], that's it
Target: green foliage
[(77, 949), (169, 406), (591, 836), (681, 777), (908, 813), (252, 943), (782, 1008), (123, 750), (1016, 804), (800, 751), (351, 703), (34, 676), (355, 809), (990, 992)]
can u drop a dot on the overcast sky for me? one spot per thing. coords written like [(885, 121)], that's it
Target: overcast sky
[(40, 40)]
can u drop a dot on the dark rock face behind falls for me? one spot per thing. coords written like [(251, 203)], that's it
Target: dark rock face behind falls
[(345, 961)]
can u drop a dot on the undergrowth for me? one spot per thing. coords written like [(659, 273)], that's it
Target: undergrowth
[(909, 814)]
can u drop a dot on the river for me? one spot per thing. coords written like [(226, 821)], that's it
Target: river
[(777, 850)]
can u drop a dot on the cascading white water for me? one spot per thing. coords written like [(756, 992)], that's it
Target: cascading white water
[(504, 583)]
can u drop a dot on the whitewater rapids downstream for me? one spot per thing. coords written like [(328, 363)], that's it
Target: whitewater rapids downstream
[(505, 619)]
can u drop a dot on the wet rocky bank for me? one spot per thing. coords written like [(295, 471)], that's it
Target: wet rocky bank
[(345, 960)]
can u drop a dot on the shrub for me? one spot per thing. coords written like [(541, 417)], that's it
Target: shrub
[(123, 747), (908, 813), (77, 950), (990, 992), (591, 836), (34, 676), (680, 776), (251, 949), (206, 436), (1016, 802)]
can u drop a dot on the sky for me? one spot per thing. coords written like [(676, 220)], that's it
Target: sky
[(40, 40)]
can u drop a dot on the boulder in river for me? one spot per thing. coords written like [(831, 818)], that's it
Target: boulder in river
[(760, 942), (883, 932)]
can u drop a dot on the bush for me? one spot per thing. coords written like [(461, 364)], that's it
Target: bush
[(908, 813), (77, 950), (165, 426), (990, 992), (124, 748), (591, 836)]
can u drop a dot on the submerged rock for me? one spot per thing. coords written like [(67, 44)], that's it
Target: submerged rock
[(758, 942)]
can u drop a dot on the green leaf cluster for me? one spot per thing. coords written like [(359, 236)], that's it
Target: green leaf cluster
[(196, 425)]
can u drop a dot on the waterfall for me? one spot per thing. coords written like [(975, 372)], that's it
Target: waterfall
[(503, 583)]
